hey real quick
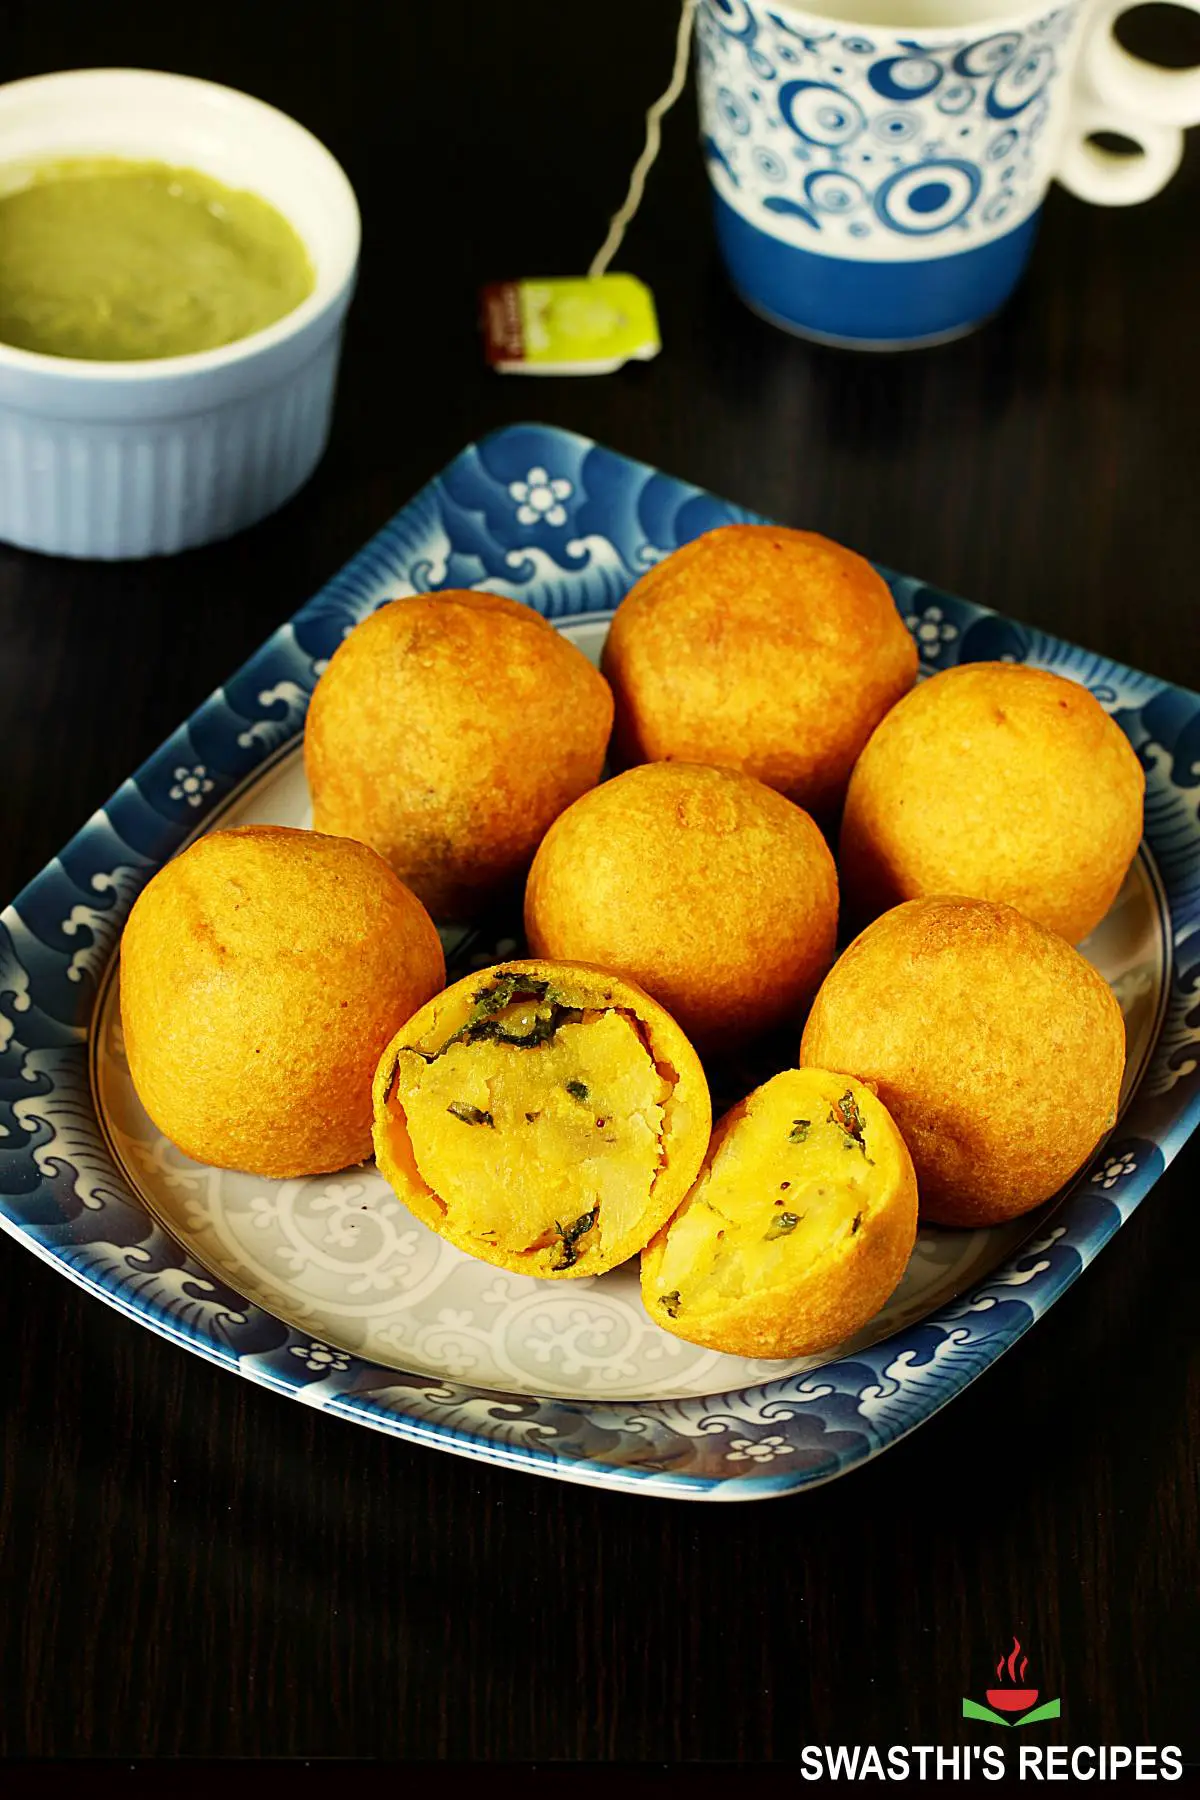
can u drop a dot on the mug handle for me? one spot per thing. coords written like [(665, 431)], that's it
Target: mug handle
[(1121, 93)]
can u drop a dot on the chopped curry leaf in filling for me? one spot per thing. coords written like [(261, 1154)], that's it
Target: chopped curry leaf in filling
[(571, 1234), (846, 1116), (470, 1115), (776, 1199), (574, 1102)]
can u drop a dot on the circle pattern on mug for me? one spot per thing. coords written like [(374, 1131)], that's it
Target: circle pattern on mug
[(735, 17), (1035, 119), (989, 55), (956, 98), (833, 191), (905, 77), (735, 113), (768, 164), (872, 133), (998, 207), (821, 113), (895, 127), (1020, 83), (928, 196)]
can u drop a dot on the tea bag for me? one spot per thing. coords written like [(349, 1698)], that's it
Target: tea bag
[(594, 323)]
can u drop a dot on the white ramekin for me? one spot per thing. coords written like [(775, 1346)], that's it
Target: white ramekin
[(141, 458)]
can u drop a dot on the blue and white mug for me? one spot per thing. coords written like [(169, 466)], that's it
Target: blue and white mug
[(878, 182)]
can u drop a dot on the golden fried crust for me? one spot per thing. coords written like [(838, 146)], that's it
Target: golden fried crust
[(997, 1049), (798, 1229), (999, 781), (448, 732), (542, 1171), (762, 649), (712, 891), (262, 973)]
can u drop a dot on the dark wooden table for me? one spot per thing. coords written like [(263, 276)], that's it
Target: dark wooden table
[(190, 1566)]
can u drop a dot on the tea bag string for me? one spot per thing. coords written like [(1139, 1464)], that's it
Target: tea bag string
[(622, 219)]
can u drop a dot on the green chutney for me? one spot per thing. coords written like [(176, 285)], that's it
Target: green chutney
[(118, 261)]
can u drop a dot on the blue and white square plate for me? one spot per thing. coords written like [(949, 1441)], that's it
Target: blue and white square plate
[(326, 1289)]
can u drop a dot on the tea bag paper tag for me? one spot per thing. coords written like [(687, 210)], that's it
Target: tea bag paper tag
[(584, 325), (589, 324)]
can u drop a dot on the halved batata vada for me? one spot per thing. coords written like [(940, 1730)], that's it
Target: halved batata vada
[(543, 1116), (798, 1229)]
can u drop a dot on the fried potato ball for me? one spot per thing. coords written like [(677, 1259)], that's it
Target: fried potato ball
[(999, 781), (762, 649), (799, 1227), (448, 732), (262, 974), (713, 892), (542, 1116), (996, 1048)]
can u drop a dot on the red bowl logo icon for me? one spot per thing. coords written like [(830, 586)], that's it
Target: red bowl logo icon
[(1012, 1699)]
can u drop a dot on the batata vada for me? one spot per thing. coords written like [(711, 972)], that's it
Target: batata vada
[(543, 1116), (448, 732), (762, 649), (995, 1047), (262, 974), (799, 1227), (715, 893), (999, 781)]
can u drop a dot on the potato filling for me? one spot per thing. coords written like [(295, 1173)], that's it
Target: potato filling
[(781, 1194), (537, 1125)]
